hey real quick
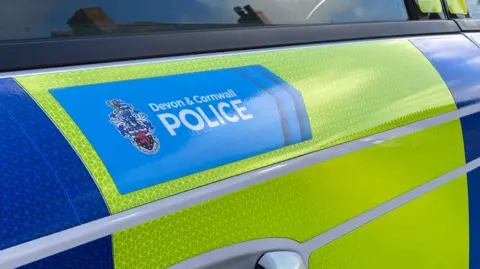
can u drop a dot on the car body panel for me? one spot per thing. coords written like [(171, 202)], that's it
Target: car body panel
[(351, 91)]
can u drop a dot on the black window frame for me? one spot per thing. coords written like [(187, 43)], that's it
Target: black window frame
[(465, 23), (46, 53)]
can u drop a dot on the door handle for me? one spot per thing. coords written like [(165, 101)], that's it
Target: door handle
[(267, 253), (281, 260)]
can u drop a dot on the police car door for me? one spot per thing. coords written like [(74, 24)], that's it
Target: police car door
[(239, 134)]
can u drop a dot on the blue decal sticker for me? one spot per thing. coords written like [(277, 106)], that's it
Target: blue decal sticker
[(286, 107), (302, 116), (144, 129)]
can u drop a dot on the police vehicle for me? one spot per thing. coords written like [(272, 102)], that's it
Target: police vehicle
[(266, 134)]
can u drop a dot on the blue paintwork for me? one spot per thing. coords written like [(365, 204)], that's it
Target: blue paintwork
[(457, 59), (471, 136), (270, 122), (474, 216), (60, 156), (44, 186), (33, 201), (93, 255), (471, 140)]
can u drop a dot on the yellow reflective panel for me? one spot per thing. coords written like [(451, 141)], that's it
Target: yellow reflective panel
[(457, 7), (430, 232), (350, 91), (299, 205), (430, 6)]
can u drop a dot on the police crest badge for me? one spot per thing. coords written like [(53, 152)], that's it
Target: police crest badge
[(134, 125)]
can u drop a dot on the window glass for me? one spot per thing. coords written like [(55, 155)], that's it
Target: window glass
[(474, 8), (27, 19), (430, 6), (430, 10), (457, 7)]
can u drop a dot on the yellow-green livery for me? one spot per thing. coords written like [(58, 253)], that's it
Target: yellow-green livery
[(350, 91)]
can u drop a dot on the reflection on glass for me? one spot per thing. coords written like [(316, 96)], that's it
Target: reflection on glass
[(474, 8), (430, 9), (26, 19)]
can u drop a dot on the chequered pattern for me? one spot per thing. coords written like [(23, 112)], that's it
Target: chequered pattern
[(67, 166), (350, 91), (299, 205), (93, 255)]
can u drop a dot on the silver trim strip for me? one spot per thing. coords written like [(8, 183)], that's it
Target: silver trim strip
[(199, 56), (471, 37), (258, 247), (384, 208), (52, 244)]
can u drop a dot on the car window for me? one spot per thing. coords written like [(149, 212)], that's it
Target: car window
[(473, 8), (30, 19), (430, 6)]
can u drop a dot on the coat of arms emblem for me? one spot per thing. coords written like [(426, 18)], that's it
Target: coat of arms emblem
[(134, 125)]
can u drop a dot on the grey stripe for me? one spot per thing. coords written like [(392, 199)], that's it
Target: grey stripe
[(245, 254), (471, 38), (55, 243), (384, 208), (239, 256), (200, 56)]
